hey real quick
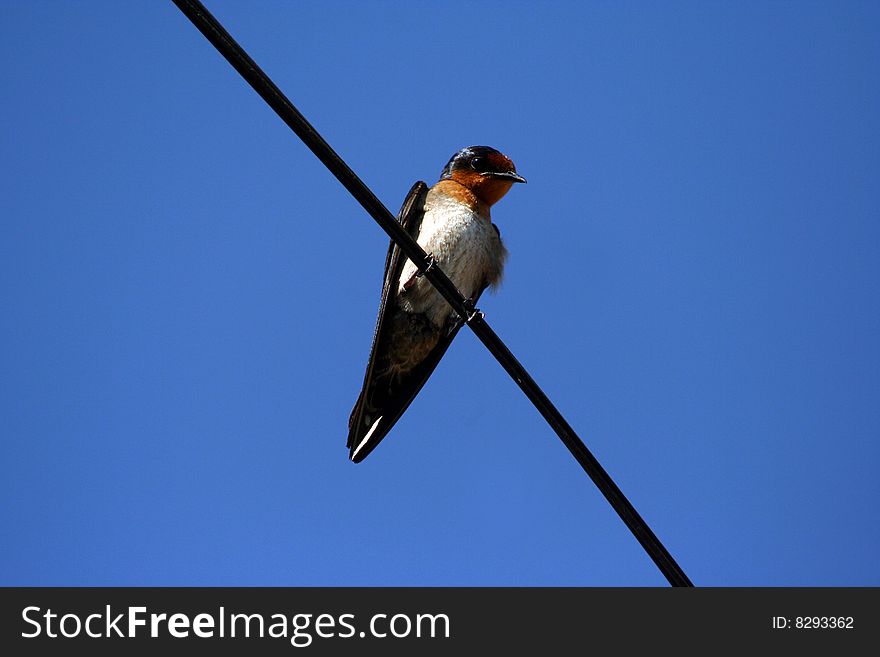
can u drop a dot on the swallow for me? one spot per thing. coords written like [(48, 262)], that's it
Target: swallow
[(451, 221)]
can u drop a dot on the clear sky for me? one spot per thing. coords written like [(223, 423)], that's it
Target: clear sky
[(188, 296)]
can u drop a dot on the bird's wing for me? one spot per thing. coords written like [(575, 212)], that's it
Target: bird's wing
[(410, 217), (382, 399)]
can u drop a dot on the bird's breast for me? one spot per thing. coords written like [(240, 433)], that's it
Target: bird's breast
[(467, 248)]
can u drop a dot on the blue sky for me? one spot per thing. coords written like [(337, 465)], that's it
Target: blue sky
[(188, 296)]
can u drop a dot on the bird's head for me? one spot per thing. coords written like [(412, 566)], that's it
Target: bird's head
[(488, 173)]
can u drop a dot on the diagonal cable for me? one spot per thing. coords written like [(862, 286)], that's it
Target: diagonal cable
[(196, 12)]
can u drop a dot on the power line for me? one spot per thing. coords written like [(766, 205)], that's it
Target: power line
[(239, 59)]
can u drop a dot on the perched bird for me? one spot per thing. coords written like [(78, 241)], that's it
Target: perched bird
[(452, 223)]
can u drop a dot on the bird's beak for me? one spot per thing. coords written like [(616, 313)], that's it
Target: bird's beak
[(507, 175)]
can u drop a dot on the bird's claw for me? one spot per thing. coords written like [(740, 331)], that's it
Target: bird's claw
[(432, 262), (472, 312)]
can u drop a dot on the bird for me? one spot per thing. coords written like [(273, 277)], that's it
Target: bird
[(452, 222)]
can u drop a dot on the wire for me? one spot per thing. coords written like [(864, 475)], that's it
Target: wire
[(239, 59)]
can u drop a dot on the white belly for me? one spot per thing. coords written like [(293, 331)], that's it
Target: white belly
[(467, 248)]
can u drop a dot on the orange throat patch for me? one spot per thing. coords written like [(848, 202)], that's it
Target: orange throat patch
[(473, 189)]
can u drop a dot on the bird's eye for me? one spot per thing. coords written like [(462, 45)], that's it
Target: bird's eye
[(480, 164)]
